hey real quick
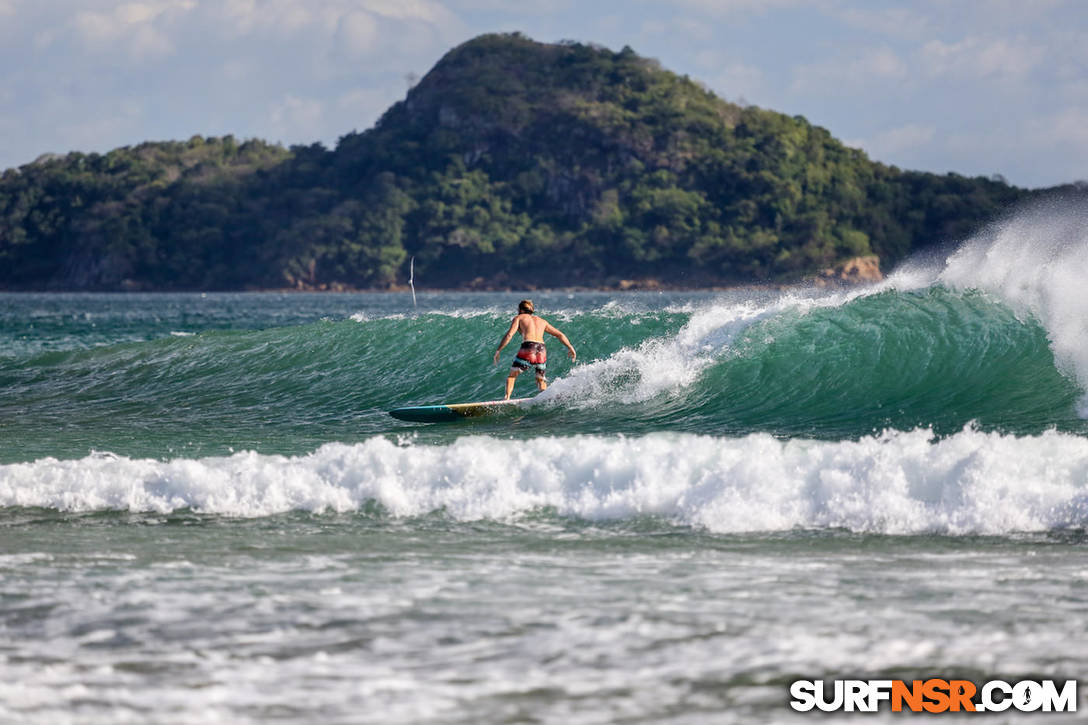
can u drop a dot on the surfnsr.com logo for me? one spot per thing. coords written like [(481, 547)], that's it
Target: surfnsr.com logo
[(933, 696)]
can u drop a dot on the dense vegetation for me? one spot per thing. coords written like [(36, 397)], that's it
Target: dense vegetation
[(512, 162)]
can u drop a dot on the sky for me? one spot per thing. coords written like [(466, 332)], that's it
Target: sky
[(979, 87)]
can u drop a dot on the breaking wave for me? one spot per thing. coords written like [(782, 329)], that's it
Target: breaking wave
[(893, 483)]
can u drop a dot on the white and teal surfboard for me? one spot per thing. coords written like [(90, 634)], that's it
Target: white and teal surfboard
[(456, 411)]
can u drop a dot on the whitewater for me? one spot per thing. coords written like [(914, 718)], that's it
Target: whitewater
[(206, 513), (897, 483)]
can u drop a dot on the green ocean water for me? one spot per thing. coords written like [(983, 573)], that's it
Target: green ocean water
[(206, 514), (162, 376)]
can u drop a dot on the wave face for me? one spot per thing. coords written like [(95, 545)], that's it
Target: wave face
[(838, 366), (826, 366), (970, 482)]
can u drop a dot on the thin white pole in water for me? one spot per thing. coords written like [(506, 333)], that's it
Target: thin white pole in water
[(412, 280)]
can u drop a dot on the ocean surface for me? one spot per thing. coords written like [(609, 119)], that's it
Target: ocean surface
[(206, 514)]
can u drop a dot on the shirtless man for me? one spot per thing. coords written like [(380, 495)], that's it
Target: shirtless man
[(532, 352)]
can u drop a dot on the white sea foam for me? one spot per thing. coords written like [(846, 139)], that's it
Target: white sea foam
[(1037, 263), (898, 482)]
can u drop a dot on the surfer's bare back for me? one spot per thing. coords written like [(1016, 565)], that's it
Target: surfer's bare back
[(532, 353)]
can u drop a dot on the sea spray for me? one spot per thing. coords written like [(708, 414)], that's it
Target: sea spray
[(1036, 261)]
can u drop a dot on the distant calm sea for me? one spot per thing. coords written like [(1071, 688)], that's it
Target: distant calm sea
[(206, 514)]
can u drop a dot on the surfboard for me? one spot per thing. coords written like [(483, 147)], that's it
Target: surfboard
[(455, 411)]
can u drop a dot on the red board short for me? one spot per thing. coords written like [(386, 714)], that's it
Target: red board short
[(531, 354)]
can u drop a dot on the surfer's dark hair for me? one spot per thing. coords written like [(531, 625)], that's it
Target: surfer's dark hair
[(525, 307)]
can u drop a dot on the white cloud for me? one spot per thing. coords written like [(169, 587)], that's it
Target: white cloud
[(881, 63), (1075, 91), (538, 7), (1002, 15), (734, 80), (430, 12), (95, 28), (894, 141), (680, 27), (136, 13), (1067, 129), (893, 22), (609, 24), (293, 117), (243, 17), (691, 29), (979, 58), (367, 105), (721, 8), (654, 27), (351, 29), (81, 132), (147, 43), (356, 34), (872, 65), (1050, 148), (239, 69), (320, 35), (1067, 55), (43, 40), (293, 17), (131, 27)]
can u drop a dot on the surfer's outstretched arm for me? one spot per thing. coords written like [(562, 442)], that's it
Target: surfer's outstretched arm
[(505, 339), (554, 332)]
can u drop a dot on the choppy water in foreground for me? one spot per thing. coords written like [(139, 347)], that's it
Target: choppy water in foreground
[(207, 515)]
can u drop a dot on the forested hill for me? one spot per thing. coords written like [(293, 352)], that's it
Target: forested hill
[(511, 163)]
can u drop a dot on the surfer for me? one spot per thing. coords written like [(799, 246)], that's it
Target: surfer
[(532, 352)]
